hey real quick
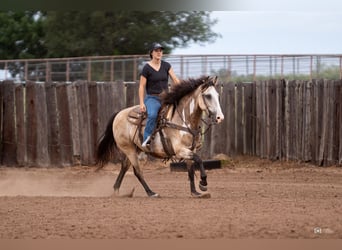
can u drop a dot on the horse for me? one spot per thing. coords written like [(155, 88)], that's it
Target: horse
[(177, 135)]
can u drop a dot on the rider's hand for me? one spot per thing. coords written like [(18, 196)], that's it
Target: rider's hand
[(142, 108)]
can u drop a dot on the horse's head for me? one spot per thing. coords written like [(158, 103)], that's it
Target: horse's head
[(209, 99)]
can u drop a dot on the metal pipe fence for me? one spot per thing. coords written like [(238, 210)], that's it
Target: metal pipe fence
[(243, 68)]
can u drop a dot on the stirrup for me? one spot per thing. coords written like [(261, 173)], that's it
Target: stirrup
[(147, 142)]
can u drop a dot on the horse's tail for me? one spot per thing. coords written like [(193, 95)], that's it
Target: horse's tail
[(106, 144)]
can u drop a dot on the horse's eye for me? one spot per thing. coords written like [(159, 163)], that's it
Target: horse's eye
[(208, 97)]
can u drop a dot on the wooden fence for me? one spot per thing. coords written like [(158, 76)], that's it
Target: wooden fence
[(58, 124)]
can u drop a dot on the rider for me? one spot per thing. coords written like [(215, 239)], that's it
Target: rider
[(154, 78)]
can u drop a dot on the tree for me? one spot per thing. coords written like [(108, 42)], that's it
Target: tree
[(21, 35), (84, 33)]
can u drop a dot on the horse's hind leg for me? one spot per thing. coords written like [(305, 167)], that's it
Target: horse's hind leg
[(140, 177), (124, 167), (138, 173)]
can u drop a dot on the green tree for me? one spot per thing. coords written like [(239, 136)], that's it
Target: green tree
[(21, 35), (84, 33)]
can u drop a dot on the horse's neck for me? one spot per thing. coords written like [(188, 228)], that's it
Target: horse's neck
[(188, 112)]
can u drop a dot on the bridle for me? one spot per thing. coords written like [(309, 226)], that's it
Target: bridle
[(186, 128)]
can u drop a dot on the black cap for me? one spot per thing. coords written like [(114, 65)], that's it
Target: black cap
[(156, 46)]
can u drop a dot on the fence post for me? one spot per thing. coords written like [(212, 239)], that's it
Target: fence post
[(67, 71), (254, 69), (89, 71), (26, 71), (112, 70)]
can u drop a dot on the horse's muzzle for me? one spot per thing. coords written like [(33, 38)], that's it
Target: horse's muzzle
[(219, 119), (216, 118)]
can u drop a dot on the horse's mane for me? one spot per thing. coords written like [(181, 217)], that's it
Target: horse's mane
[(185, 87)]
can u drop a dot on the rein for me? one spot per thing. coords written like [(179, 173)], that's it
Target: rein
[(194, 132)]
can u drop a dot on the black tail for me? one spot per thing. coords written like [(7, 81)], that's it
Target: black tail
[(106, 144)]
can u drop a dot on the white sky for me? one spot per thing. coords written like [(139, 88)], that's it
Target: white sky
[(276, 27)]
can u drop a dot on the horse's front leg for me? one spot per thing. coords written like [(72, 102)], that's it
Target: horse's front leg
[(203, 182), (191, 174)]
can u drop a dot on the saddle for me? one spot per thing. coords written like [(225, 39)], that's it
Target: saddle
[(138, 118)]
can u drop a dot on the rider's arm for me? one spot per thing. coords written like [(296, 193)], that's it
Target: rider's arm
[(173, 76), (142, 86)]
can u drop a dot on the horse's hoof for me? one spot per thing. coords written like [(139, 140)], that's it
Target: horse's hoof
[(154, 195), (199, 195), (203, 188)]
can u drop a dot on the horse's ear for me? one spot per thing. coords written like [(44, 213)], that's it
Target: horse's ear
[(206, 79), (214, 80)]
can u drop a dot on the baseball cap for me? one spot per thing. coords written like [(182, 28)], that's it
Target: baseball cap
[(156, 46)]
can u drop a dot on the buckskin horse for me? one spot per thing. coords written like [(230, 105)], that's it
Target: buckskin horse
[(177, 134)]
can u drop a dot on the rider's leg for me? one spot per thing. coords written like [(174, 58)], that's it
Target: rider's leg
[(152, 106)]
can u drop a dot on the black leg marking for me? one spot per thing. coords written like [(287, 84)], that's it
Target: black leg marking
[(203, 182), (149, 192)]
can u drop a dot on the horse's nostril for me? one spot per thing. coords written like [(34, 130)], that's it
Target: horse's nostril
[(219, 119)]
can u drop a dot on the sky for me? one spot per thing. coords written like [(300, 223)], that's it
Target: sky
[(275, 27)]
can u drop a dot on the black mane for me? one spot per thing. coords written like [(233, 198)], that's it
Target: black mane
[(185, 87)]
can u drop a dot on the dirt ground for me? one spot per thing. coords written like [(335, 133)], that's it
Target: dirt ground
[(250, 198)]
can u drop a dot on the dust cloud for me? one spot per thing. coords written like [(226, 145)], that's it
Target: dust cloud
[(71, 182)]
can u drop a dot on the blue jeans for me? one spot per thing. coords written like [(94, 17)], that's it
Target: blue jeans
[(153, 105)]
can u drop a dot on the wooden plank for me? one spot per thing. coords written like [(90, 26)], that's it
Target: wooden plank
[(281, 118), (31, 123), (9, 145), (74, 122), (263, 119), (64, 115), (119, 95), (94, 120), (330, 124), (86, 144), (53, 127), (307, 122), (319, 122), (103, 104), (316, 106), (248, 117), (254, 120), (239, 124), (42, 127), (229, 114), (291, 121), (132, 94), (280, 87), (324, 115), (267, 124), (298, 119), (258, 116), (272, 120), (336, 121), (20, 124)]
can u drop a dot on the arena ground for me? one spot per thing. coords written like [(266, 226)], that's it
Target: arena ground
[(251, 198)]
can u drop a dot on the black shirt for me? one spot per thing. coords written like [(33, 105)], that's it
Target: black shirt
[(157, 81)]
